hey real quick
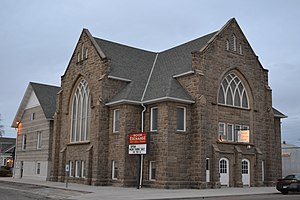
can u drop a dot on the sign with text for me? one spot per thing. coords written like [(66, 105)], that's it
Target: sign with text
[(137, 138), (137, 143), (244, 136), (137, 149)]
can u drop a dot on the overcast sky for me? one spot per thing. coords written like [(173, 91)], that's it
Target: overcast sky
[(37, 39)]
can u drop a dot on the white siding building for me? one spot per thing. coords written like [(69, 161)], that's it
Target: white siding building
[(34, 123), (290, 159)]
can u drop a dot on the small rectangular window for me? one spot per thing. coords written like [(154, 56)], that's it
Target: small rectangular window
[(153, 123), (114, 166), (222, 132), (237, 128), (39, 140), (152, 170), (230, 133), (82, 169), (24, 142), (32, 116), (38, 168), (116, 122), (77, 168), (181, 118), (71, 169)]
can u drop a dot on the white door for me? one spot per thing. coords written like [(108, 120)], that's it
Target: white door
[(246, 172), (207, 170), (224, 171)]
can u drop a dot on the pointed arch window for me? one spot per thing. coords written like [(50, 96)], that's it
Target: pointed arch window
[(81, 113), (232, 92), (234, 43), (227, 45)]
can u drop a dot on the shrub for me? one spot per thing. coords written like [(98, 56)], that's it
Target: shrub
[(4, 172)]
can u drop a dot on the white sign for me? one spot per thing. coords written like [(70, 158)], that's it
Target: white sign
[(137, 149), (244, 136), (67, 168)]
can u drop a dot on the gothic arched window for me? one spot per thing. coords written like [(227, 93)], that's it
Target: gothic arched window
[(232, 92), (81, 113)]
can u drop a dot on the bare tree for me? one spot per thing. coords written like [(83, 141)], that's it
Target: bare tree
[(1, 127)]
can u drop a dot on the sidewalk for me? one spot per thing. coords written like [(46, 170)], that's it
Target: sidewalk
[(118, 193)]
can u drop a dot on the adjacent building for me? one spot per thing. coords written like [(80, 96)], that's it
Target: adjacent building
[(34, 123), (206, 104), (7, 151), (290, 159)]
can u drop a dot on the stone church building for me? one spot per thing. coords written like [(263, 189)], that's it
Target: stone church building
[(206, 104)]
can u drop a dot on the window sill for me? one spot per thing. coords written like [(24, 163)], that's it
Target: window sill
[(78, 143), (235, 143), (180, 132)]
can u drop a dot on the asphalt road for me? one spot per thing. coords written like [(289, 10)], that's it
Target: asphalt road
[(18, 191), (290, 196)]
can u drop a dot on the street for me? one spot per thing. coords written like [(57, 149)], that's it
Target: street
[(18, 191), (291, 196), (21, 191)]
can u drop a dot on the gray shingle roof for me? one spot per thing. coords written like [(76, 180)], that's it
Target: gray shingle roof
[(279, 114), (128, 63), (136, 65), (46, 95)]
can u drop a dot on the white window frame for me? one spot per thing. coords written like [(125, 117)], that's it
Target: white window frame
[(38, 168), (82, 169), (24, 141), (32, 117), (71, 169), (229, 92), (227, 45), (237, 128), (184, 119), (222, 132), (78, 57), (86, 53), (114, 170), (77, 168), (240, 49), (116, 120), (230, 131), (234, 42), (151, 178), (39, 140), (152, 120), (82, 52), (81, 111)]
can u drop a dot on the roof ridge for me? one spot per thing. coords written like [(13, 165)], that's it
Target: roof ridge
[(190, 41), (43, 84), (149, 77), (125, 45)]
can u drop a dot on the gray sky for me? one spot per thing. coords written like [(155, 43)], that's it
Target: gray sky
[(37, 39)]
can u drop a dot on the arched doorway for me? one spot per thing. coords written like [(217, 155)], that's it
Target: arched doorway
[(224, 171), (246, 172)]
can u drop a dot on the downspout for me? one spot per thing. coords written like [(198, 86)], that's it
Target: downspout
[(142, 120)]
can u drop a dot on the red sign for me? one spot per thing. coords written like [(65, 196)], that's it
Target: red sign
[(137, 138)]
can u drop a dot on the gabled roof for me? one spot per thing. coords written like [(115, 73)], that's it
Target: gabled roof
[(150, 74), (278, 114), (7, 144), (46, 96)]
